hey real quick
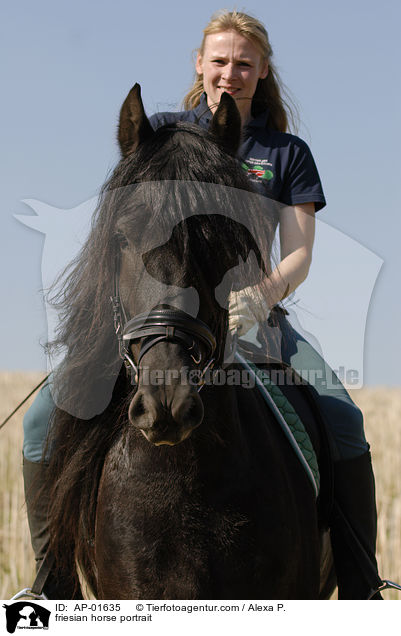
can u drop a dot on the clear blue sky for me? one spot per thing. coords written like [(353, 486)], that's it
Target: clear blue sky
[(67, 66)]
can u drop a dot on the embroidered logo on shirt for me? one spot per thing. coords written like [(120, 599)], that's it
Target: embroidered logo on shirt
[(258, 169)]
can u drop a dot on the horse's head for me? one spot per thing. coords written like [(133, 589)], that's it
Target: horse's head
[(176, 323), (179, 233)]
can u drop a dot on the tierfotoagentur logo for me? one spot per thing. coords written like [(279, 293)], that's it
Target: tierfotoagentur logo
[(26, 615)]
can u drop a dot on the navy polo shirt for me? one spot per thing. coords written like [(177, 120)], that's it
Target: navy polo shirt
[(280, 165)]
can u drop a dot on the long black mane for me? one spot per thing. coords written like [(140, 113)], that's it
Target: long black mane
[(90, 386)]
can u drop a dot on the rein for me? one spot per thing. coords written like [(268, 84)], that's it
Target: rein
[(23, 401)]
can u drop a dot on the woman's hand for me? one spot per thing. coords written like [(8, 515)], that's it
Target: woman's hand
[(246, 308)]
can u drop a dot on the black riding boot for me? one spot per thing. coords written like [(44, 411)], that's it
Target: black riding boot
[(57, 585), (354, 494)]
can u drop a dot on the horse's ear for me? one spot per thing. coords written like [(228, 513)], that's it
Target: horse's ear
[(134, 127), (226, 124)]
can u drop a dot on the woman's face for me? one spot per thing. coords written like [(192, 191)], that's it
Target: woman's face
[(231, 63)]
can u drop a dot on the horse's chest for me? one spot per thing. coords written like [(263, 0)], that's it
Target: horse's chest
[(173, 535)]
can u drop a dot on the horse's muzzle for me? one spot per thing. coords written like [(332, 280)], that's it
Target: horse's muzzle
[(166, 421)]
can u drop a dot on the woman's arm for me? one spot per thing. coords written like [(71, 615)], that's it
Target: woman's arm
[(297, 233)]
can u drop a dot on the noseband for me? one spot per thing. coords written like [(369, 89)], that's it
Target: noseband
[(160, 325)]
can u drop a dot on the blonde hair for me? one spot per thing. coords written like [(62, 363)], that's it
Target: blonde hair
[(283, 113)]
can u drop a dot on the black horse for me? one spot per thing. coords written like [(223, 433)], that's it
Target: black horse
[(161, 490)]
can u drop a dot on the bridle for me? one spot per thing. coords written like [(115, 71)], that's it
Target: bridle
[(160, 325)]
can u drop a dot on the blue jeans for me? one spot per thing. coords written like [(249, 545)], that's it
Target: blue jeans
[(343, 417), (36, 424)]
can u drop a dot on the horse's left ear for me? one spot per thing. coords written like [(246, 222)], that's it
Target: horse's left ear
[(226, 124), (134, 127)]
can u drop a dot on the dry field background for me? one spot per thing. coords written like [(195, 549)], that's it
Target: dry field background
[(382, 411)]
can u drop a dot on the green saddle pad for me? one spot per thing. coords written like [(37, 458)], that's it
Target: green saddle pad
[(289, 421)]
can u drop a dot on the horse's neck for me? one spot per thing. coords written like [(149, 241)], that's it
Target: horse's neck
[(222, 421), (221, 411)]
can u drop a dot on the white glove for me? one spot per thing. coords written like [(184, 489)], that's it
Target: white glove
[(246, 308)]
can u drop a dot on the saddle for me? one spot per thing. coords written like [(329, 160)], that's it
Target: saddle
[(316, 459)]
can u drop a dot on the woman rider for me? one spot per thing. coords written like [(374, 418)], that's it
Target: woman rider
[(236, 57)]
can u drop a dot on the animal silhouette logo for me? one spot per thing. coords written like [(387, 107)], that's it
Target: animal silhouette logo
[(26, 615), (320, 312)]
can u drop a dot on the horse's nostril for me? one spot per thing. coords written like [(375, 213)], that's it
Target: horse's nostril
[(188, 410), (193, 411), (138, 406)]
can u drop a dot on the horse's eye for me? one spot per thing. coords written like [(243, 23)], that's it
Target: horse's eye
[(122, 241)]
